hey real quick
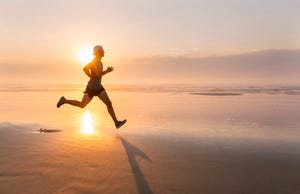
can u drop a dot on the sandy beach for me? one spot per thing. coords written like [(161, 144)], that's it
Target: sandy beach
[(174, 142)]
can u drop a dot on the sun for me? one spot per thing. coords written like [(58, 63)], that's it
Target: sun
[(87, 123), (85, 55)]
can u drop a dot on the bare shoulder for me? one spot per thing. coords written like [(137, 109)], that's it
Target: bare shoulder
[(89, 65)]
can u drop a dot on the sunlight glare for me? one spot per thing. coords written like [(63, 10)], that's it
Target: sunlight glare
[(87, 123), (85, 55)]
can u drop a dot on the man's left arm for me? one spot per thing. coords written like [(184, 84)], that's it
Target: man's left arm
[(108, 70)]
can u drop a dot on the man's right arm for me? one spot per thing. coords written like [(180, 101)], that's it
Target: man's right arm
[(86, 70)]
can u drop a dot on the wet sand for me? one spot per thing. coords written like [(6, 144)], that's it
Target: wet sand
[(33, 162), (172, 143)]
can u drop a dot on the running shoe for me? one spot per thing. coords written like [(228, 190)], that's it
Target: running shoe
[(61, 101), (120, 123)]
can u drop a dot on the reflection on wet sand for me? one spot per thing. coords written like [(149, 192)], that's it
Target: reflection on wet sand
[(87, 124)]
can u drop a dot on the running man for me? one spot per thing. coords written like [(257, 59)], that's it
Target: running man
[(94, 88)]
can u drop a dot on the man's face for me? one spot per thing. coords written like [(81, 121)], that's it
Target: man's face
[(100, 52)]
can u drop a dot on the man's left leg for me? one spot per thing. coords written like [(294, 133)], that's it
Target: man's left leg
[(104, 97)]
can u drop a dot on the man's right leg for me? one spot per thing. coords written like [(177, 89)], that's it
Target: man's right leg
[(84, 101)]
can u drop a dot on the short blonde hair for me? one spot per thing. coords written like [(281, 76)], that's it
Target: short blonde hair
[(98, 48)]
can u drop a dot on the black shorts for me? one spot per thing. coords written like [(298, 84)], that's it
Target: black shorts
[(91, 93)]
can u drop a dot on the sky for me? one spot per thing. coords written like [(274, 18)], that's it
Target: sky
[(149, 41)]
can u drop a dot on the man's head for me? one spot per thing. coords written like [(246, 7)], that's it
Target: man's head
[(98, 51)]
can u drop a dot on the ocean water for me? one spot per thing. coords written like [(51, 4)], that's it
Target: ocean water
[(163, 88), (176, 111)]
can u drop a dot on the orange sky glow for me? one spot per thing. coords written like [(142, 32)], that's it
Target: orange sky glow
[(146, 41)]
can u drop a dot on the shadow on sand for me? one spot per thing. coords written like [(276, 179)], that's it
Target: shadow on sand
[(132, 152)]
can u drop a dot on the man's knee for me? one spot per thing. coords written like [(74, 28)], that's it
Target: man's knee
[(82, 105)]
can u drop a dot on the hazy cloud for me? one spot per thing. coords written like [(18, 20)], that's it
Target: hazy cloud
[(268, 65)]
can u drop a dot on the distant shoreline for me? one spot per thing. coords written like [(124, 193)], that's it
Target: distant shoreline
[(191, 89), (216, 94)]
